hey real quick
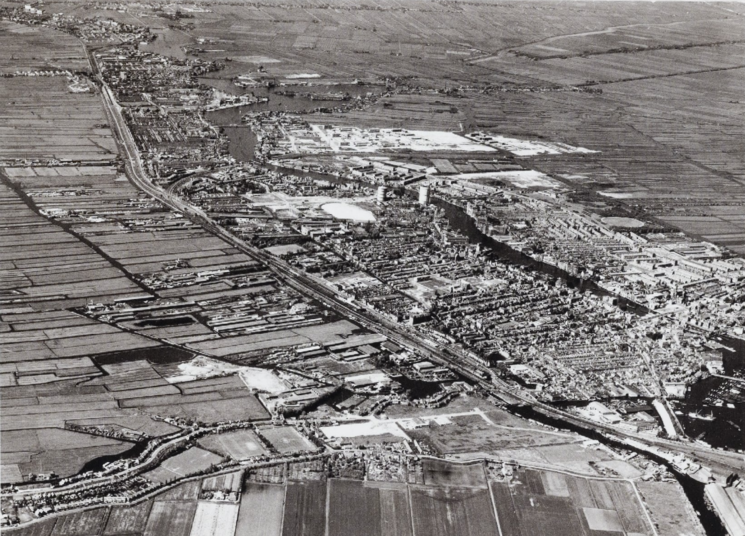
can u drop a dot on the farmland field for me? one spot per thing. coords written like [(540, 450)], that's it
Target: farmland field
[(286, 439), (439, 473), (126, 519), (395, 510), (533, 502), (546, 515), (226, 482), (81, 523), (353, 509), (186, 463), (238, 445), (187, 490), (170, 517), (305, 509), (214, 519), (452, 511), (554, 504), (42, 528), (260, 510)]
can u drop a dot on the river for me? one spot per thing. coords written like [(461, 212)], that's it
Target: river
[(693, 489)]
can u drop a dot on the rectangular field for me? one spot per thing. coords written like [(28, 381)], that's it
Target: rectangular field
[(188, 462), (395, 510), (81, 523), (544, 503), (440, 473), (451, 511), (353, 509), (127, 519), (286, 439), (305, 509), (260, 512), (214, 519), (170, 517), (229, 482), (546, 515), (239, 445)]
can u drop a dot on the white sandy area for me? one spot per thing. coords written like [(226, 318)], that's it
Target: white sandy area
[(202, 367), (418, 422), (262, 380), (360, 140), (527, 178), (281, 201), (255, 59), (533, 148), (622, 222), (302, 75), (446, 141), (345, 211), (617, 195), (372, 427)]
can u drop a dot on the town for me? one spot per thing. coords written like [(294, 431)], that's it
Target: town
[(248, 286)]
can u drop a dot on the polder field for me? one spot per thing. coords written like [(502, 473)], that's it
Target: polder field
[(461, 500), (623, 79), (123, 322)]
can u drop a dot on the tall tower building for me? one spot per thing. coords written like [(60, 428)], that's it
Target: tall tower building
[(424, 195), (381, 194)]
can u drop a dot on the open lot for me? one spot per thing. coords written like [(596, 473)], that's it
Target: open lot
[(286, 439), (126, 519), (305, 509), (452, 511), (439, 473), (171, 517), (238, 445), (658, 496), (260, 510), (547, 503), (214, 519), (81, 523), (188, 462)]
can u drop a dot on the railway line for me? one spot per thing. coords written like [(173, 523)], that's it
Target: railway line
[(453, 357)]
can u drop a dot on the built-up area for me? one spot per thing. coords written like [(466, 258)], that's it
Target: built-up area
[(369, 212), (342, 306)]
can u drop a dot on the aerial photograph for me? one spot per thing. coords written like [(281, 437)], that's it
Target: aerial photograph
[(372, 268)]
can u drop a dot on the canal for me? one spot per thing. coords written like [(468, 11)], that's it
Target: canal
[(693, 489), (714, 408), (463, 223)]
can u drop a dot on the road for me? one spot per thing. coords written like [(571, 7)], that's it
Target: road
[(453, 357)]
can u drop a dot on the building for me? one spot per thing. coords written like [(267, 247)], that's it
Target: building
[(381, 194), (424, 195)]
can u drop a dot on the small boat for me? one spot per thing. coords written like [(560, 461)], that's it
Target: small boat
[(700, 416)]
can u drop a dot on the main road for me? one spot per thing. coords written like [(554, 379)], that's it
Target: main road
[(455, 358)]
